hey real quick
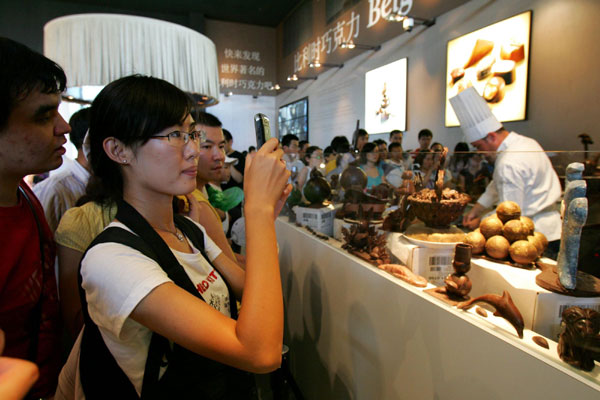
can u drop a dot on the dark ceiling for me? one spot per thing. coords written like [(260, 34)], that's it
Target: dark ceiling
[(263, 12)]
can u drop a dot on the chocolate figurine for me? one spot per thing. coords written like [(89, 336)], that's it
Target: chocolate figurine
[(458, 284), (363, 241), (579, 340), (404, 273), (574, 172), (504, 306), (568, 255)]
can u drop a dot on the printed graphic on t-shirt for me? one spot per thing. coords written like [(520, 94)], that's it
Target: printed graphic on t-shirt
[(214, 291)]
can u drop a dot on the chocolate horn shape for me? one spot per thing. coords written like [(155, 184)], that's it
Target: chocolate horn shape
[(504, 306)]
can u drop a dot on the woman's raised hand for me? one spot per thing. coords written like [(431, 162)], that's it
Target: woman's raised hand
[(265, 179)]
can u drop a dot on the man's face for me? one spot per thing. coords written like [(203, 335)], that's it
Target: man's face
[(424, 142), (292, 148), (396, 154), (33, 138), (228, 146), (212, 155), (487, 145), (396, 138)]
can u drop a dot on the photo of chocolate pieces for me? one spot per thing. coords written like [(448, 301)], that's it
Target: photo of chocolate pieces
[(457, 74), (494, 90), (484, 68), (482, 48), (512, 51), (505, 69)]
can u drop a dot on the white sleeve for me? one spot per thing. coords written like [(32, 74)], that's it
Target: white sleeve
[(511, 185), (116, 278), (210, 248), (490, 196)]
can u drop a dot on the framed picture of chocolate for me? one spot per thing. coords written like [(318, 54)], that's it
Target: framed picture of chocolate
[(385, 97), (494, 60)]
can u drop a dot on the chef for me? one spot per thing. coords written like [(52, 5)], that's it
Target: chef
[(522, 171)]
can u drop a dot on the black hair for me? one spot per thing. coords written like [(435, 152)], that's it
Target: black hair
[(226, 134), (80, 122), (340, 144), (302, 143), (308, 153), (328, 151), (436, 144), (379, 141), (358, 133), (206, 119), (421, 156), (393, 145), (395, 131), (131, 109), (286, 140), (251, 149), (368, 148), (22, 71), (425, 132)]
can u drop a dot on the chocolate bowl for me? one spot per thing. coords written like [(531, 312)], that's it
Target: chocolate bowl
[(435, 213)]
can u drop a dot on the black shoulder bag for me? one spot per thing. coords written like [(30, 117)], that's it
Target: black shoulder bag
[(188, 375)]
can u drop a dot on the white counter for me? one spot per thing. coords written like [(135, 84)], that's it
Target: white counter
[(357, 332)]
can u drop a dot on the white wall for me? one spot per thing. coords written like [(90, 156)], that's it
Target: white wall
[(237, 115), (564, 84)]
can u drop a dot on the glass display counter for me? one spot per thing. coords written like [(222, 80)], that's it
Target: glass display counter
[(356, 331)]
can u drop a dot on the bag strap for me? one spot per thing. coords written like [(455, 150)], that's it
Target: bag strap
[(36, 312), (95, 355)]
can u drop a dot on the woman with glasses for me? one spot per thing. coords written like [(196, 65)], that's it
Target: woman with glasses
[(158, 295), (313, 159), (372, 165)]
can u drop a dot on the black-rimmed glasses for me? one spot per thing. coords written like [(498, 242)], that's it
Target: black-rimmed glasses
[(180, 138)]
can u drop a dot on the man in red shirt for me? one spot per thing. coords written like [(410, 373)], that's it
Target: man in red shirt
[(31, 142)]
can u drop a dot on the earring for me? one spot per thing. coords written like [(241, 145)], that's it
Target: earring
[(124, 161)]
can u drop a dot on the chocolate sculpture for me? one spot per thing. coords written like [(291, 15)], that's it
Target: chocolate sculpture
[(363, 241), (458, 284), (568, 255), (317, 189), (404, 273), (579, 340), (504, 306)]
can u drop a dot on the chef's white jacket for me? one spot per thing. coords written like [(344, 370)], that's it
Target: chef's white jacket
[(523, 174)]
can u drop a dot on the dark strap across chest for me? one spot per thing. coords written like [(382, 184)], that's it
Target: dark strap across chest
[(188, 375)]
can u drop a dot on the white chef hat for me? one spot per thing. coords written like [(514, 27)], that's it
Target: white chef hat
[(475, 117)]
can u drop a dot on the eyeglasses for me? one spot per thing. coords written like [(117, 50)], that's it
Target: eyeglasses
[(180, 138)]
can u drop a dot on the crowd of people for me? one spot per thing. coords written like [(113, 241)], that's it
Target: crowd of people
[(385, 162), (149, 285)]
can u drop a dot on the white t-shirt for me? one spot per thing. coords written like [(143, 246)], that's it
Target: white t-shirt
[(116, 278)]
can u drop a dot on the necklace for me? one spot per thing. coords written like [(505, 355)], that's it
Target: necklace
[(177, 233)]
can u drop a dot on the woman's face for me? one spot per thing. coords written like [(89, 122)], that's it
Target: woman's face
[(373, 156), (427, 162), (164, 166), (361, 141), (316, 158)]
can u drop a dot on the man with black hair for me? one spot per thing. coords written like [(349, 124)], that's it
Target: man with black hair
[(396, 136), (290, 146), (32, 135), (61, 191), (425, 138), (237, 170), (302, 147)]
